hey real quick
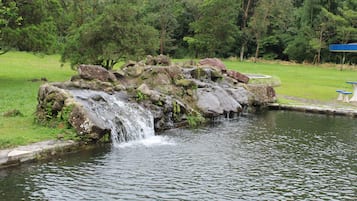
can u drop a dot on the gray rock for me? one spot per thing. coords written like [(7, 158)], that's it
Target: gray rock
[(262, 94), (216, 101), (241, 95), (208, 103)]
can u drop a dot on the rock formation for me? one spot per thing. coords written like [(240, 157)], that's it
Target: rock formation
[(175, 94)]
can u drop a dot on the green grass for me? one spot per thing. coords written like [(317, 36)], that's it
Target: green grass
[(304, 81), (17, 92)]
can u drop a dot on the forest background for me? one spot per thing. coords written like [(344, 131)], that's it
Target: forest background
[(106, 32)]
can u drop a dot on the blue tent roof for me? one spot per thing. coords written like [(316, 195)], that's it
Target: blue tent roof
[(351, 47)]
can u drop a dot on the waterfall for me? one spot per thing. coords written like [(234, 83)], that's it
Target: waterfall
[(131, 122), (126, 121)]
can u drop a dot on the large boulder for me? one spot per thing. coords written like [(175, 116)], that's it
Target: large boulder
[(238, 76), (206, 73), (87, 124), (51, 102), (56, 105), (91, 72), (214, 62), (262, 94), (216, 101), (241, 95)]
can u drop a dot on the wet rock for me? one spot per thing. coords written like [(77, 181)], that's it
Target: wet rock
[(86, 124)]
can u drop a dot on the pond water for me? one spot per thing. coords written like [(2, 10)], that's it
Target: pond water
[(276, 155)]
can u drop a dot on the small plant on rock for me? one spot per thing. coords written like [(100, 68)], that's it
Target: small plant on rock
[(140, 96), (194, 120)]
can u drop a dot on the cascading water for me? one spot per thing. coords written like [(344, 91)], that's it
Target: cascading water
[(127, 121)]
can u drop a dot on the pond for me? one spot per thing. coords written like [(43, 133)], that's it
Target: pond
[(275, 155)]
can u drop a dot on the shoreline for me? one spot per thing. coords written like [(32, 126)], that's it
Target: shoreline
[(36, 151), (326, 110), (53, 148)]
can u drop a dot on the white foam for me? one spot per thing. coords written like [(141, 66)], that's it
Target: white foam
[(148, 142)]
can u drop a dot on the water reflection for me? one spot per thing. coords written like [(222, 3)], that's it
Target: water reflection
[(272, 156)]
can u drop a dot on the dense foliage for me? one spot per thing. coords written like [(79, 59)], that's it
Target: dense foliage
[(106, 31)]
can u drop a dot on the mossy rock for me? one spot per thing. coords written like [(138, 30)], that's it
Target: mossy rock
[(135, 71), (186, 83)]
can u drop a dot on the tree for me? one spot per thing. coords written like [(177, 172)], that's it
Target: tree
[(163, 16), (247, 10), (215, 28), (9, 21), (118, 33), (346, 22), (259, 22), (270, 24), (33, 26)]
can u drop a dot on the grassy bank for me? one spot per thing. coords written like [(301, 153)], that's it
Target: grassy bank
[(18, 90), (304, 81)]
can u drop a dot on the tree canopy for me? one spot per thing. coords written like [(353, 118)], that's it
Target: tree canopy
[(106, 31), (117, 33)]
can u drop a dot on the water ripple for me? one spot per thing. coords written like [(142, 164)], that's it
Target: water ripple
[(276, 156)]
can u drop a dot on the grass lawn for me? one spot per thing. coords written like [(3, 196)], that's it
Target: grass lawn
[(303, 81), (18, 92)]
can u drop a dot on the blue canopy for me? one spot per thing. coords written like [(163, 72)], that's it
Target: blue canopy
[(351, 47)]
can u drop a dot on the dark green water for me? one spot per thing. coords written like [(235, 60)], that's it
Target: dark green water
[(272, 156)]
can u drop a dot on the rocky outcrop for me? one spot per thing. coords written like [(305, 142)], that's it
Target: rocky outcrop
[(175, 94)]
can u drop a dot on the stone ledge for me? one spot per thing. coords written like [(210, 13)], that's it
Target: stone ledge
[(315, 109), (35, 151)]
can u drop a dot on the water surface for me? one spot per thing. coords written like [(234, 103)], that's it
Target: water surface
[(272, 156)]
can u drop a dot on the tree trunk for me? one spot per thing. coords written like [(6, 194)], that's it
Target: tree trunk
[(257, 52), (162, 40), (242, 52), (343, 60), (320, 47), (244, 26)]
